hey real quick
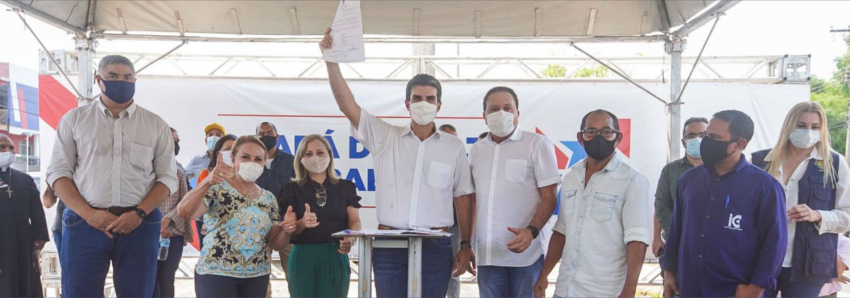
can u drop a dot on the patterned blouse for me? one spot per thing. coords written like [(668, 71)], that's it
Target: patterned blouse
[(235, 244)]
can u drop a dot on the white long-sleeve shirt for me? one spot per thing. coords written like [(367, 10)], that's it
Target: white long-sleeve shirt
[(833, 221), (417, 179), (114, 162)]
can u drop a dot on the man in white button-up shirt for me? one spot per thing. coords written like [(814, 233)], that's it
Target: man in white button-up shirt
[(113, 165), (604, 223), (421, 172), (516, 178)]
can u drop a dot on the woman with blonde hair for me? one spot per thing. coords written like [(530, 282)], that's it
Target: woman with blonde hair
[(323, 205), (816, 181), (243, 223)]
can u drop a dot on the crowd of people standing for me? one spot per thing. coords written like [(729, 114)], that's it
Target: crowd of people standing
[(724, 225)]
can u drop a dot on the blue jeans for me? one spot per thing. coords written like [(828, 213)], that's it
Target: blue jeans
[(390, 266), (57, 240), (795, 289), (516, 282), (87, 252), (230, 287), (165, 270)]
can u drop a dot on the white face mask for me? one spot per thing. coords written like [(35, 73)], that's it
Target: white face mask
[(423, 113), (804, 138), (227, 157), (7, 159), (316, 164), (250, 171), (501, 123)]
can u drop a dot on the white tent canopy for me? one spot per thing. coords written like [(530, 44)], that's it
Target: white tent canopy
[(669, 21), (579, 20)]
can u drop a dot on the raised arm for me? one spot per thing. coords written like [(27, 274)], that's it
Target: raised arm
[(192, 206), (342, 94)]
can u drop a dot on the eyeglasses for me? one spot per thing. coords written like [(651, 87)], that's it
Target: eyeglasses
[(321, 194), (5, 147), (593, 132), (694, 135)]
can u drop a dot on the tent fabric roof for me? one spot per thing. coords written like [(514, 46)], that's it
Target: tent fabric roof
[(445, 18)]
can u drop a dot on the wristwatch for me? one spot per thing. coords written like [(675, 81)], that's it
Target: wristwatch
[(467, 242), (534, 231), (141, 213)]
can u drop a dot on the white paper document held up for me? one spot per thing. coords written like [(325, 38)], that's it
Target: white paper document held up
[(347, 34)]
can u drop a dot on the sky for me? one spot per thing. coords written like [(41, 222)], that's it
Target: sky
[(750, 28)]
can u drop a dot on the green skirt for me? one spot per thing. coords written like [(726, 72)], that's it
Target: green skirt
[(318, 270)]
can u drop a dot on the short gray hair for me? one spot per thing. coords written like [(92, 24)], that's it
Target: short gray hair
[(115, 59)]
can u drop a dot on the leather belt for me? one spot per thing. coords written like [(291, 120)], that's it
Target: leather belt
[(389, 228), (117, 211)]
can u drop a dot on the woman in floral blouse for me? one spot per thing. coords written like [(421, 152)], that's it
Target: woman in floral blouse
[(243, 223)]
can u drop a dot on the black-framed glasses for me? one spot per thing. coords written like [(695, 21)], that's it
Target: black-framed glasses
[(694, 135), (593, 132)]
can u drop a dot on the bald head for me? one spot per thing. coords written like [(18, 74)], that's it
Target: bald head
[(6, 143)]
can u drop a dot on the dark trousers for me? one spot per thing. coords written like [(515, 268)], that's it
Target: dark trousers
[(87, 252), (200, 226), (165, 270), (229, 287), (795, 289)]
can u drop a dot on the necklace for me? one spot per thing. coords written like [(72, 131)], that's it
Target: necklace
[(9, 185), (247, 191), (321, 194)]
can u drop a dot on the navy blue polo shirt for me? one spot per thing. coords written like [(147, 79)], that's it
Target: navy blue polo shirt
[(726, 231)]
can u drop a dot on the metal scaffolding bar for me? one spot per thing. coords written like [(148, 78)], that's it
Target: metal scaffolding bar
[(674, 112), (619, 74), (717, 19), (386, 39), (52, 59), (160, 57)]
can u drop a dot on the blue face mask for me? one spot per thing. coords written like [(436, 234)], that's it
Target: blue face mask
[(211, 142), (692, 147), (119, 91)]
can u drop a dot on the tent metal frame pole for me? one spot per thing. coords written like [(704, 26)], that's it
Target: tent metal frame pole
[(717, 19), (674, 112), (162, 56), (85, 61), (622, 75), (50, 55), (17, 6), (384, 39)]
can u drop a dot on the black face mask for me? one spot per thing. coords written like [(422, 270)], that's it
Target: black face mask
[(270, 142), (599, 148), (713, 151), (176, 148)]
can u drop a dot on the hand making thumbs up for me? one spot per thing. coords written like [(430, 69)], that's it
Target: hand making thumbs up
[(290, 220), (309, 218), (221, 171)]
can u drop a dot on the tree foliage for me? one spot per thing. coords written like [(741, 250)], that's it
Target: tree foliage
[(833, 96), (560, 71)]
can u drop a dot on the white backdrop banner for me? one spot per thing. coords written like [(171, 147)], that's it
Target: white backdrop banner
[(303, 107)]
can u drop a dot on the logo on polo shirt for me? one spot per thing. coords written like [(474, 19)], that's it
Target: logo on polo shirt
[(734, 222)]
